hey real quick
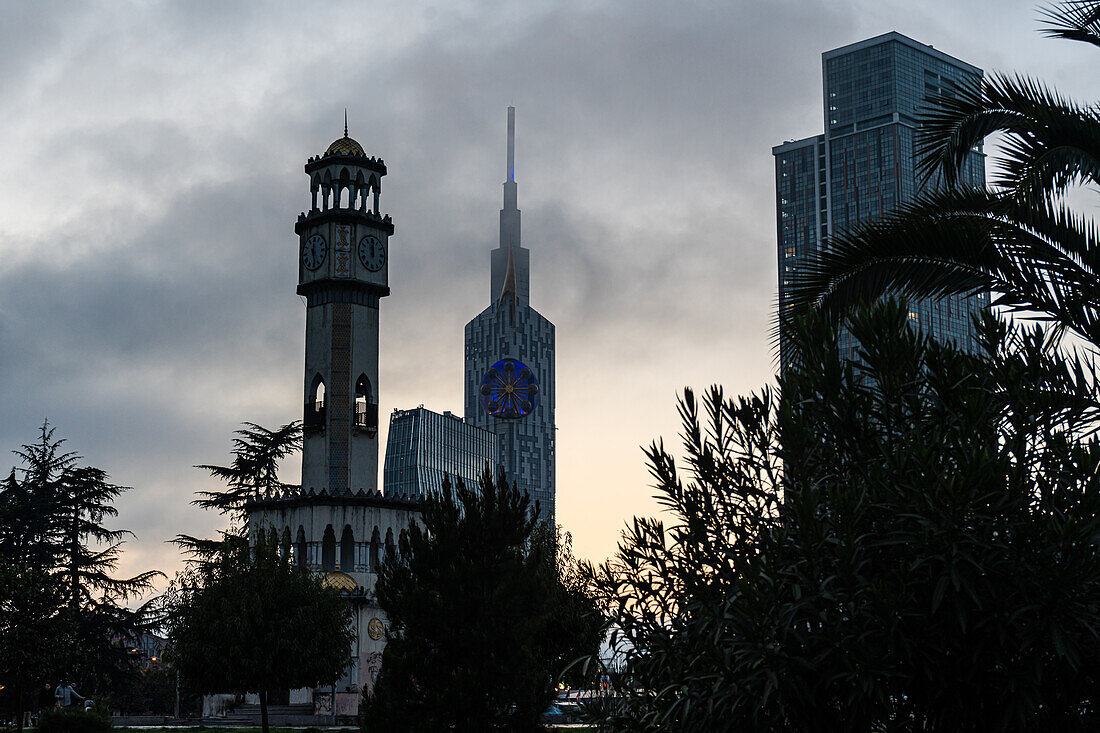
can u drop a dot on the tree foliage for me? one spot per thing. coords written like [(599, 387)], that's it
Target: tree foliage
[(577, 625), (906, 545), (252, 474), (152, 691), (472, 598), (253, 621), (62, 610)]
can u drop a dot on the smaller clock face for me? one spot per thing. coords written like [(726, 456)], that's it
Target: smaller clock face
[(372, 253), (375, 628), (313, 252)]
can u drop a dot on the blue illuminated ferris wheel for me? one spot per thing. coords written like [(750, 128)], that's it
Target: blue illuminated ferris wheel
[(509, 390)]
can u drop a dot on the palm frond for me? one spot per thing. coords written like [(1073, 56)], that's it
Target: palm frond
[(1076, 20), (1042, 259), (1051, 142)]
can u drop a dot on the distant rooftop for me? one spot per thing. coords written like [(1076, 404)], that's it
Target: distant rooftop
[(906, 40)]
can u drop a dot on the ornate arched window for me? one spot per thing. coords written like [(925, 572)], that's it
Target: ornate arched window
[(375, 186), (366, 409), (347, 550), (326, 191), (314, 417), (375, 550), (300, 547), (328, 550), (360, 202), (389, 543)]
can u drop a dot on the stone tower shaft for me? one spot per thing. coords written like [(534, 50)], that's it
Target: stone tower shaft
[(343, 273)]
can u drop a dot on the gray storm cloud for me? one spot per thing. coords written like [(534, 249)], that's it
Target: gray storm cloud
[(151, 159)]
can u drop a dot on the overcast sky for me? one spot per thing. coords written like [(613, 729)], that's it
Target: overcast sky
[(151, 171)]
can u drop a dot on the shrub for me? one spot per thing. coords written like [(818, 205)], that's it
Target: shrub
[(73, 720)]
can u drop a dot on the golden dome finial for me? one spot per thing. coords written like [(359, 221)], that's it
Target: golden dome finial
[(346, 145)]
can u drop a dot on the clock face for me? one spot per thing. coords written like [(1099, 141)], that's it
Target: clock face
[(509, 390), (372, 253), (313, 252), (375, 628)]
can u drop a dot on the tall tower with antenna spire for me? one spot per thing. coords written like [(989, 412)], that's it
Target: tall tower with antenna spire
[(509, 364)]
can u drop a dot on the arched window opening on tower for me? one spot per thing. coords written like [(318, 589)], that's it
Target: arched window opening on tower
[(300, 548), (345, 196), (375, 185), (359, 199), (347, 550), (366, 409), (328, 550), (375, 549), (314, 417)]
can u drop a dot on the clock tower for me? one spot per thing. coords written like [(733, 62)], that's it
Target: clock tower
[(342, 273), (337, 522)]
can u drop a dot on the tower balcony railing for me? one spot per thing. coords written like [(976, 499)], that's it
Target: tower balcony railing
[(366, 418), (314, 420)]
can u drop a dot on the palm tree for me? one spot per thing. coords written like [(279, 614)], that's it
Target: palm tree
[(1016, 238)]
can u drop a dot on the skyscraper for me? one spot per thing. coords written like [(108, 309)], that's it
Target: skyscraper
[(509, 369), (424, 447), (863, 166)]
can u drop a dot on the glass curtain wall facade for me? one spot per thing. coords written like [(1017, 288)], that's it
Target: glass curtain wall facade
[(509, 328), (864, 164), (424, 447)]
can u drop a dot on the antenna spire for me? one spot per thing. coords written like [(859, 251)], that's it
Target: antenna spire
[(511, 143), (345, 121)]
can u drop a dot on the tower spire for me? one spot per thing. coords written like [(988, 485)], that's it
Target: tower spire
[(510, 264), (509, 219), (512, 144), (345, 121)]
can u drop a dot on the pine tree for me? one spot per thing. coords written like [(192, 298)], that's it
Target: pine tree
[(469, 599), (251, 620), (252, 474), (61, 609)]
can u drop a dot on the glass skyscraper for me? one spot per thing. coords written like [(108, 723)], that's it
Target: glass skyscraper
[(864, 164), (509, 361), (424, 447)]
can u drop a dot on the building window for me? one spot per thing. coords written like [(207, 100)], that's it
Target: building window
[(375, 549), (328, 550), (347, 550), (314, 418), (366, 409), (300, 548)]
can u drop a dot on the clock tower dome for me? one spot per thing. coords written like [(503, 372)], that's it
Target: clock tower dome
[(343, 247)]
